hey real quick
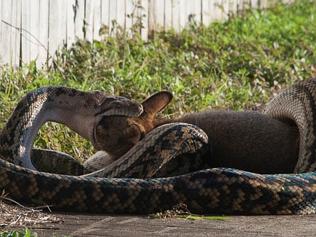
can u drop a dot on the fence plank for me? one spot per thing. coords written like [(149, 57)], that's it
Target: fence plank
[(212, 11), (120, 13), (143, 14), (254, 3), (112, 16), (246, 4), (92, 19), (88, 16), (15, 32), (232, 8), (130, 14), (175, 14), (34, 30), (183, 13), (27, 40), (190, 12), (225, 9), (1, 34), (57, 22), (71, 22), (79, 18), (42, 35), (206, 16), (263, 3), (158, 9), (10, 19), (168, 14), (105, 13), (4, 33), (136, 15)]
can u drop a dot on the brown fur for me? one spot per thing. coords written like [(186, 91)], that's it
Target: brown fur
[(245, 140)]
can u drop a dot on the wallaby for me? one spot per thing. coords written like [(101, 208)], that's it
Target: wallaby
[(249, 141)]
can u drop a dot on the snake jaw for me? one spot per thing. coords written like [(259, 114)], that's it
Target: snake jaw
[(118, 105)]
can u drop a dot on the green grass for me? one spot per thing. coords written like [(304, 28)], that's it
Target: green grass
[(191, 217), (237, 64), (194, 217), (25, 233)]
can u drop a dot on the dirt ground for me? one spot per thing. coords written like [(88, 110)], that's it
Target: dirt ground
[(105, 225), (15, 216)]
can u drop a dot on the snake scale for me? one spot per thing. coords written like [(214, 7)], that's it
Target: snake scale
[(216, 190)]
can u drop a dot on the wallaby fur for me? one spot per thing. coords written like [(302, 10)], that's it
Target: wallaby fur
[(244, 140)]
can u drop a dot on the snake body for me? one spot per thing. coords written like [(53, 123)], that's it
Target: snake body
[(216, 190), (298, 104)]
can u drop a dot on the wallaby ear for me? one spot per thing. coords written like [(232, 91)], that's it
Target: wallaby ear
[(156, 102)]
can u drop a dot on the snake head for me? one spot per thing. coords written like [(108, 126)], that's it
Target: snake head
[(116, 134), (116, 106), (82, 111)]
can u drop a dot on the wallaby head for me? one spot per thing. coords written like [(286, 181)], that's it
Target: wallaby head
[(117, 134)]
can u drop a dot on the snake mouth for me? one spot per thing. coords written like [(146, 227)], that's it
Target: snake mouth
[(133, 111), (119, 106)]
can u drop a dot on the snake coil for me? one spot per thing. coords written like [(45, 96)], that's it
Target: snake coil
[(217, 190)]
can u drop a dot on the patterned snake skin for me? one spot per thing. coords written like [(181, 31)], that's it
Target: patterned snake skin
[(217, 190)]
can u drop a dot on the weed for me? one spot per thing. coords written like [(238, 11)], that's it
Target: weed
[(24, 233)]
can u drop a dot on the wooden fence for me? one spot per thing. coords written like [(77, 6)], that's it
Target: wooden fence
[(34, 29)]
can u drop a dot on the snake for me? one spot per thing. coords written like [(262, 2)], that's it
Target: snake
[(139, 182)]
